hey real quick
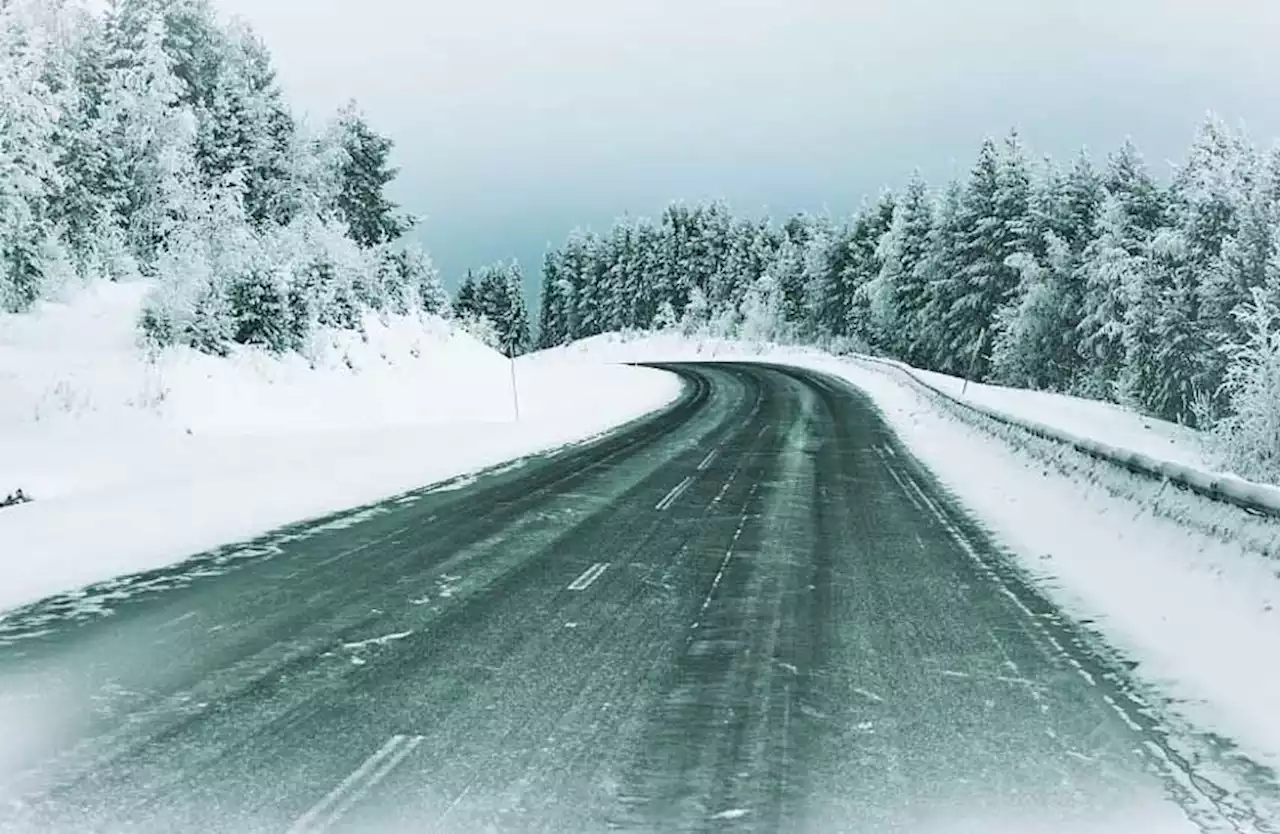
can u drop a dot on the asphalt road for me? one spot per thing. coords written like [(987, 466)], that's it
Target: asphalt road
[(753, 611)]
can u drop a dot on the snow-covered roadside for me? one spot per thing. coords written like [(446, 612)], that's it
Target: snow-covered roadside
[(1198, 611), (1106, 422), (135, 464)]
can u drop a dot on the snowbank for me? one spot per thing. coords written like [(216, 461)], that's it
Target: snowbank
[(1195, 605), (1105, 422), (134, 462), (1261, 498)]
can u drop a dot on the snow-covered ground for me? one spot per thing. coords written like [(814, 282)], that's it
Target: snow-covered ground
[(1106, 422), (135, 463), (1197, 610)]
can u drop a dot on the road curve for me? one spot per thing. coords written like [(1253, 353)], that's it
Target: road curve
[(751, 611)]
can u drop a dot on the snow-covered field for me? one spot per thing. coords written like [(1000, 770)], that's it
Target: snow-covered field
[(1198, 611), (134, 463)]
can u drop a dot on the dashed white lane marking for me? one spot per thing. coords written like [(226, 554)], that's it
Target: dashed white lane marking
[(676, 492), (868, 695), (702, 467), (728, 556), (588, 576), (356, 786), (378, 641)]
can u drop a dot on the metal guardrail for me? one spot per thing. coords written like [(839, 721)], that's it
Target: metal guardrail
[(1263, 499)]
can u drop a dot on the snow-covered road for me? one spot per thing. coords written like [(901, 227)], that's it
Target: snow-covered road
[(752, 612)]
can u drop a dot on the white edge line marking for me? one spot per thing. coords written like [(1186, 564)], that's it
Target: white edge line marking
[(334, 796), (675, 493), (588, 576), (369, 784), (702, 467)]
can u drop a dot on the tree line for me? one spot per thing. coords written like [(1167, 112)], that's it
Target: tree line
[(1099, 281), (489, 303), (152, 141)]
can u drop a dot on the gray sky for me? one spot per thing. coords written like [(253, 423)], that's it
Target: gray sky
[(518, 119)]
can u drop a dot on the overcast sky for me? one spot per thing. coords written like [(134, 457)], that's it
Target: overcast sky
[(518, 119)]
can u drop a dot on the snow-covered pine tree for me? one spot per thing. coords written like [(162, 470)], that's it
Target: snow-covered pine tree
[(825, 305), (788, 269), (553, 328), (82, 206), (665, 319), (1132, 210), (696, 319), (1165, 345), (464, 299), (26, 162), (514, 324), (584, 263), (863, 264), (897, 293), (995, 219), (1229, 209), (149, 134), (762, 319), (1248, 438), (1031, 348), (645, 299), (1205, 194), (941, 277), (365, 172), (616, 290), (417, 275), (1035, 343), (492, 301)]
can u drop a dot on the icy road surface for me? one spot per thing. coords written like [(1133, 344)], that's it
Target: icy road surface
[(752, 611)]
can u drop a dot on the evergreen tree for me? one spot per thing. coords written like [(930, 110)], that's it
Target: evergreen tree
[(1248, 439), (491, 305), (553, 326), (944, 283), (29, 174), (995, 219), (514, 324), (1133, 209), (788, 268), (898, 292), (762, 312), (1036, 341), (464, 300), (152, 140), (863, 264), (364, 175), (1165, 348), (1059, 279)]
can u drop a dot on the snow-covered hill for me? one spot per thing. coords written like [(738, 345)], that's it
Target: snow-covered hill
[(135, 460)]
